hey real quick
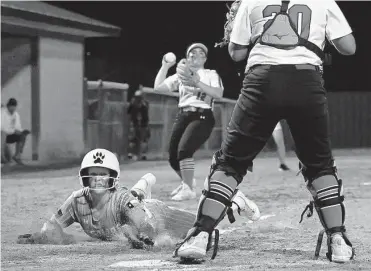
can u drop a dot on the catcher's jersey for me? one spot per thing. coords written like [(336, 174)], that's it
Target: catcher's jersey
[(314, 19), (103, 225), (197, 99)]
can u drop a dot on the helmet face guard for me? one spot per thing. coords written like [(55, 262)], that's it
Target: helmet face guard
[(100, 158), (112, 179)]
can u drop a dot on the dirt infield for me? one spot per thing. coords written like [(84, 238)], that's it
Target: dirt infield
[(276, 242)]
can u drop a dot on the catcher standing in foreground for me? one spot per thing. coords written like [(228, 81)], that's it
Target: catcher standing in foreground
[(107, 211), (283, 81), (198, 87)]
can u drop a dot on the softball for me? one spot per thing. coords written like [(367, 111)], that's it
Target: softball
[(170, 57)]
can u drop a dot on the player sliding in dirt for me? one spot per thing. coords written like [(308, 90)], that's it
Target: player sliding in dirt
[(106, 211)]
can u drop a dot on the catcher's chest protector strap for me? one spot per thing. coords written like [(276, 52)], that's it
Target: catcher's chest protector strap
[(281, 33)]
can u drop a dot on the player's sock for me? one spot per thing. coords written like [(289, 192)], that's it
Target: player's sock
[(187, 169)]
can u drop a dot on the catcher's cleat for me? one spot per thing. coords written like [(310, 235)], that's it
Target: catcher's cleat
[(341, 252), (194, 247), (340, 249)]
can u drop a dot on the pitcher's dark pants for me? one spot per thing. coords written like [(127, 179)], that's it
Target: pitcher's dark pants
[(190, 131)]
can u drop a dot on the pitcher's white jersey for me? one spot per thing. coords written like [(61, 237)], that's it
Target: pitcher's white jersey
[(187, 96), (314, 19)]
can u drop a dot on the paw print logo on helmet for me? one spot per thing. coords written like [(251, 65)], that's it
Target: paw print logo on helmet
[(98, 158)]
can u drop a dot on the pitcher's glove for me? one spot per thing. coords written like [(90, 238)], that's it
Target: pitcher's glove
[(228, 26), (186, 75)]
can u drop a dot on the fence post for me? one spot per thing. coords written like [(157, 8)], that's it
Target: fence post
[(165, 127), (125, 125), (224, 119), (100, 113)]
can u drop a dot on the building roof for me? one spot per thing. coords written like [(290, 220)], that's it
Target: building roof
[(44, 17)]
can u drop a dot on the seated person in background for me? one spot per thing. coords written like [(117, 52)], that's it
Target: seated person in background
[(11, 132)]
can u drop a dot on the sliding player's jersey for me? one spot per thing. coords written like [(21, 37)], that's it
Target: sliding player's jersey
[(123, 212)]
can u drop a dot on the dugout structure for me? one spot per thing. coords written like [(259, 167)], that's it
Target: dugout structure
[(42, 66)]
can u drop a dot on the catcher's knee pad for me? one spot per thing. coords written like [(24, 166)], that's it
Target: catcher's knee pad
[(219, 164), (312, 173)]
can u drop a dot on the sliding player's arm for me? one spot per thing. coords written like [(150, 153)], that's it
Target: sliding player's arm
[(52, 230)]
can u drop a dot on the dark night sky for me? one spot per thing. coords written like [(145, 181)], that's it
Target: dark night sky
[(150, 29)]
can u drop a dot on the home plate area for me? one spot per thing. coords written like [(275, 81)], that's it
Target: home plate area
[(143, 263)]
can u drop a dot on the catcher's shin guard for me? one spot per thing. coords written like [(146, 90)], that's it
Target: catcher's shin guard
[(215, 203), (330, 195)]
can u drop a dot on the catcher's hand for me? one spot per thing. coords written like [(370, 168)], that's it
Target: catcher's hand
[(228, 26), (186, 75)]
